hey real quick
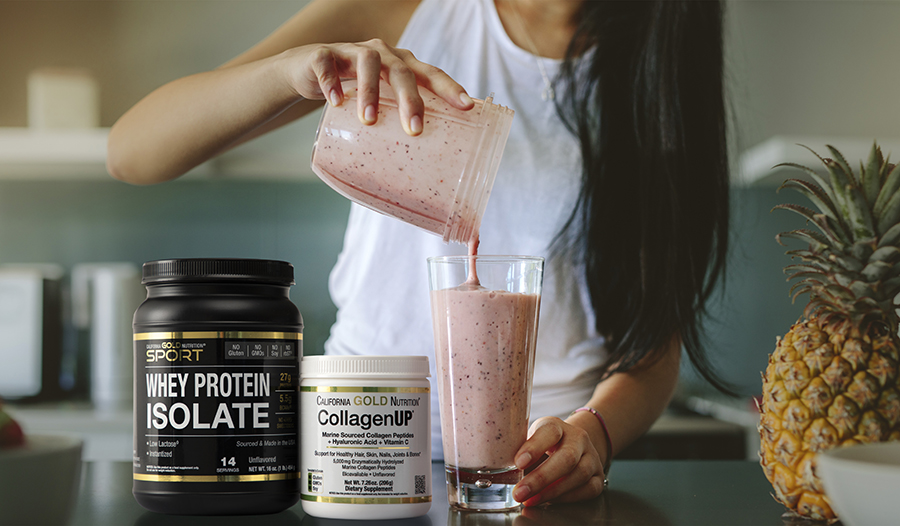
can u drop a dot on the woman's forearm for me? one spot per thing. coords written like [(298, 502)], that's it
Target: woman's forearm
[(630, 402), (190, 120)]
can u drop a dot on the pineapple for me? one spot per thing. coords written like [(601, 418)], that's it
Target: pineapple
[(833, 378)]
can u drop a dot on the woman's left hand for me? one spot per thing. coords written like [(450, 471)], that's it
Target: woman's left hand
[(572, 469)]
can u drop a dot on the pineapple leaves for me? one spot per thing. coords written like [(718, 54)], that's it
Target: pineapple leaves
[(850, 200), (851, 261), (851, 264), (890, 215), (839, 159), (810, 266), (858, 211), (890, 287), (876, 271), (812, 173), (816, 240), (843, 263), (838, 292), (887, 254), (891, 237), (839, 183), (815, 194), (871, 174), (828, 226), (863, 249), (799, 289), (891, 184), (859, 289)]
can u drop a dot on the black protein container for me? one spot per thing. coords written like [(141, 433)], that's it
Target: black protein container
[(217, 347)]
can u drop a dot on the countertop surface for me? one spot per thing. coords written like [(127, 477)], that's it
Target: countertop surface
[(641, 492)]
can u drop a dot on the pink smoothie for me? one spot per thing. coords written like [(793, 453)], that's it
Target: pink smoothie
[(432, 181), (485, 342)]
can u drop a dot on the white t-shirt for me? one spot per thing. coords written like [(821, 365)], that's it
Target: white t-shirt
[(380, 281)]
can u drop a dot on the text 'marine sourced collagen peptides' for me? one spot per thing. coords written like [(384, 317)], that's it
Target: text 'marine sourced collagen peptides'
[(365, 437), (217, 351)]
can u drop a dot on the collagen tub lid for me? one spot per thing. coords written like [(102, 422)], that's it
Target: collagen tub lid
[(217, 270), (366, 366)]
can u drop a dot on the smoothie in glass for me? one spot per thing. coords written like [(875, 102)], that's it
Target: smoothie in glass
[(485, 332)]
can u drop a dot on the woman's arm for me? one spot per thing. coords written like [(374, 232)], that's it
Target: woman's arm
[(284, 77), (577, 450)]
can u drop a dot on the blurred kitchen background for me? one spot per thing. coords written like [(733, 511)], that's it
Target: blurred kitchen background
[(72, 239)]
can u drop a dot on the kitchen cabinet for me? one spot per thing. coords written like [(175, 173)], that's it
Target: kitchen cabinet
[(80, 155), (52, 154)]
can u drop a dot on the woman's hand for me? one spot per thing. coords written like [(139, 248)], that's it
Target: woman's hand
[(322, 66), (572, 470)]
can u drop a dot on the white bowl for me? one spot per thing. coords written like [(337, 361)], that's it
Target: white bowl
[(39, 481), (862, 483)]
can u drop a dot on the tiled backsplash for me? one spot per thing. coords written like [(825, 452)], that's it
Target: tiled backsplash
[(79, 222)]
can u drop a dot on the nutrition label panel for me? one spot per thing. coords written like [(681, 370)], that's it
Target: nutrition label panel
[(239, 350)]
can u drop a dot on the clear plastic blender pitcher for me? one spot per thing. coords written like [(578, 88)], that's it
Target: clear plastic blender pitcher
[(439, 181)]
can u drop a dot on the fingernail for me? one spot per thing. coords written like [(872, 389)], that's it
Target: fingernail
[(369, 113), (523, 460), (334, 98), (521, 493), (415, 124), (465, 98)]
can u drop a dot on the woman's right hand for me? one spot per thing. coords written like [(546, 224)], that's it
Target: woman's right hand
[(315, 72)]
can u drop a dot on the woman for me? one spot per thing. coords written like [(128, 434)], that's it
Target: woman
[(616, 167)]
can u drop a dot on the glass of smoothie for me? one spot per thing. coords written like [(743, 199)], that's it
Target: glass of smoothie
[(485, 313), (439, 181)]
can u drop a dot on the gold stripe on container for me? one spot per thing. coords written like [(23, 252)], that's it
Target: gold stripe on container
[(366, 500), (193, 335), (146, 477), (367, 447), (333, 389)]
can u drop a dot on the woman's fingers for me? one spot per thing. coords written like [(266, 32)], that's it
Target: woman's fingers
[(569, 471), (544, 434), (373, 61), (368, 73), (396, 72), (324, 62), (437, 81), (568, 485)]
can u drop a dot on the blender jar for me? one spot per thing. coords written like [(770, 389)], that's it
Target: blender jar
[(439, 181)]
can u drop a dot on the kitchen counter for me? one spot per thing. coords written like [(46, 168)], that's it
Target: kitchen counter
[(641, 492), (108, 434)]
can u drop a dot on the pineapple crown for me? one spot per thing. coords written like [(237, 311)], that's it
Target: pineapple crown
[(850, 266)]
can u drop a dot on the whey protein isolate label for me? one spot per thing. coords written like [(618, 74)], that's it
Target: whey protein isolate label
[(365, 445), (216, 406)]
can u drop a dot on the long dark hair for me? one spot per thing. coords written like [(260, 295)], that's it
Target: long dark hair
[(651, 226)]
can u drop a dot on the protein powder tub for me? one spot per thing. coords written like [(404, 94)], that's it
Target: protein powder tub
[(365, 437), (217, 349)]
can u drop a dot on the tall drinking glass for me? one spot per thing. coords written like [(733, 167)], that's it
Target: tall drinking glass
[(485, 313)]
